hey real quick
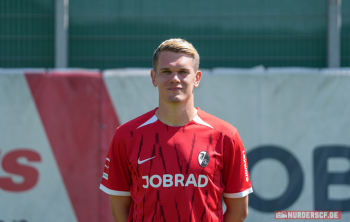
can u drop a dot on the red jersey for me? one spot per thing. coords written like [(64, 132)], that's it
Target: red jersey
[(176, 173)]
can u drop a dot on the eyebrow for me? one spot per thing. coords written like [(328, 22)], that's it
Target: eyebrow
[(165, 69)]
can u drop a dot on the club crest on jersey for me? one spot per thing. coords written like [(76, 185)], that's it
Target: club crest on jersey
[(203, 159)]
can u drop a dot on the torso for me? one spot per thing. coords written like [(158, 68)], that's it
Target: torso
[(176, 169)]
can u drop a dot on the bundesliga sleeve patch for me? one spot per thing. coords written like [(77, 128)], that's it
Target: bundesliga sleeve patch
[(106, 171)]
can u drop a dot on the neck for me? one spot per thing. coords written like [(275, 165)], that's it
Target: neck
[(176, 114)]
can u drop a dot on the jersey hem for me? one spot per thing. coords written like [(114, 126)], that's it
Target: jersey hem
[(238, 195), (114, 192)]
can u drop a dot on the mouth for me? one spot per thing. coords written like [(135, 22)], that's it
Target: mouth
[(174, 88)]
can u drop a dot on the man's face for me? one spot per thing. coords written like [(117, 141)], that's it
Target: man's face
[(175, 77)]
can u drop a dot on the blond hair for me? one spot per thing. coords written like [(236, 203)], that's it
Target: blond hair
[(177, 46)]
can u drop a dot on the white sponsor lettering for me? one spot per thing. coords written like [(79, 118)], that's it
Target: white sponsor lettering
[(245, 167), (105, 175), (169, 180), (146, 178), (159, 181), (191, 180), (205, 181), (177, 180)]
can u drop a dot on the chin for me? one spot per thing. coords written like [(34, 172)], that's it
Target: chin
[(176, 99)]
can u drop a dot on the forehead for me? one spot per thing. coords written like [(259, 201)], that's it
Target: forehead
[(174, 60)]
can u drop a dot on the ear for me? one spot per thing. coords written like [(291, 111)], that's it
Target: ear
[(197, 78), (153, 76)]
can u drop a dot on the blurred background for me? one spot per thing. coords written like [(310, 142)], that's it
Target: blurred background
[(72, 71), (113, 34)]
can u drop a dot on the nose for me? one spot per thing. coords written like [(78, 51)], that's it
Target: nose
[(175, 77)]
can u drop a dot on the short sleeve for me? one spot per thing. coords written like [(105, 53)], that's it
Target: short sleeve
[(116, 178), (235, 173)]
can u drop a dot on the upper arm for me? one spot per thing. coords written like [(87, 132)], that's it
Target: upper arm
[(120, 206), (116, 179), (235, 168), (236, 208)]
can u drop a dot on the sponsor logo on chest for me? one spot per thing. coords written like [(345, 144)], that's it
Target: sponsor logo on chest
[(169, 180)]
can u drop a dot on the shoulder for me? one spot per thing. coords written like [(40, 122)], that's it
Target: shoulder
[(133, 124), (224, 127)]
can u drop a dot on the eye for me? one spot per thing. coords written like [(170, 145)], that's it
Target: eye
[(165, 72), (184, 72)]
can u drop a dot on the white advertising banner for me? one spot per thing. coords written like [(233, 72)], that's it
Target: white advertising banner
[(55, 130), (295, 124), (31, 187)]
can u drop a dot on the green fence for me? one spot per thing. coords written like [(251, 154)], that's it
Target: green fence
[(27, 33), (345, 34), (114, 33)]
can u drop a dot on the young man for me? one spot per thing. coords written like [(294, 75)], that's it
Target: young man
[(176, 162)]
